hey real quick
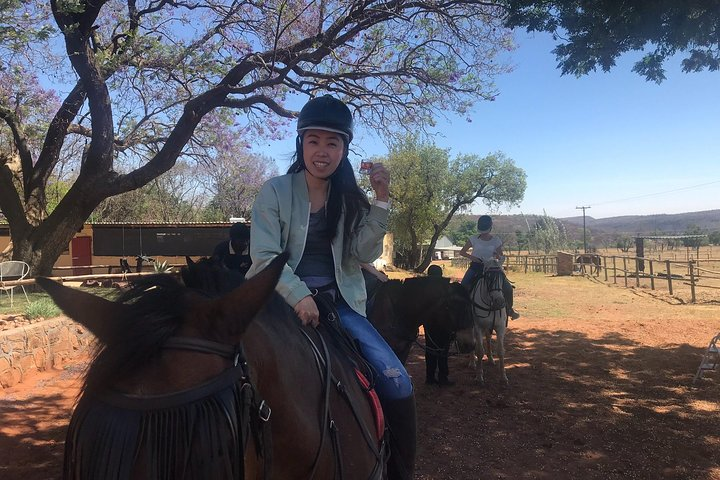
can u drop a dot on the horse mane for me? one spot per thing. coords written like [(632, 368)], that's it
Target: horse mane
[(422, 281), (154, 306), (211, 277)]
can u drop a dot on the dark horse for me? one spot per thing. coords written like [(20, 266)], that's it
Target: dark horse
[(592, 260), (400, 307), (193, 383)]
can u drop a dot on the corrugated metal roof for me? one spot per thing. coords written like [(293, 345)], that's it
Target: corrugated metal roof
[(161, 224), (668, 237)]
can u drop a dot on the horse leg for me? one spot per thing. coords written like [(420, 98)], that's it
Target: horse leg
[(478, 355), (501, 354), (488, 340), (443, 367), (431, 362)]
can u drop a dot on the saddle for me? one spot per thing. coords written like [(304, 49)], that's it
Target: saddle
[(331, 328)]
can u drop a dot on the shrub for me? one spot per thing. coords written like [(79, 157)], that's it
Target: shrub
[(163, 267), (44, 308)]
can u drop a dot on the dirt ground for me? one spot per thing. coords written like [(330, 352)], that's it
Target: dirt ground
[(599, 389)]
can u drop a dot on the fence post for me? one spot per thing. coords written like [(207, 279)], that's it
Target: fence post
[(614, 270), (669, 276), (526, 263), (692, 281), (652, 276), (605, 267), (637, 272), (625, 270)]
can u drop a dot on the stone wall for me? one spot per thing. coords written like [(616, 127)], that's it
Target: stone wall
[(40, 346)]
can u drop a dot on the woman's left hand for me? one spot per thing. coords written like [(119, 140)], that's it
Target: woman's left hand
[(380, 182)]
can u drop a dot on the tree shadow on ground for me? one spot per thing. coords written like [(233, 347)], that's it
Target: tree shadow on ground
[(576, 408), (32, 436)]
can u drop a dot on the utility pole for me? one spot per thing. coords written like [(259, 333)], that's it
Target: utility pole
[(584, 233)]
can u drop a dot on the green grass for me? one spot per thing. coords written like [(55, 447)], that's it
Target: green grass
[(41, 305), (20, 305)]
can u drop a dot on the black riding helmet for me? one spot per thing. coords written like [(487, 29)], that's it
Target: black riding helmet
[(326, 113), (484, 224)]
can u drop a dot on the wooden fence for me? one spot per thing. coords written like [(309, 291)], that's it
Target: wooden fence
[(694, 280), (520, 263), (668, 275)]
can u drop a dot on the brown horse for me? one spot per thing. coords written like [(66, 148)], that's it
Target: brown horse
[(195, 383), (400, 307)]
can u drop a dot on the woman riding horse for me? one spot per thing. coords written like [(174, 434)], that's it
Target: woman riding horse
[(484, 248), (318, 214), (208, 380)]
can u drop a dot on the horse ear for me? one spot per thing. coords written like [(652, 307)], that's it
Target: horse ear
[(242, 304), (189, 261), (99, 315)]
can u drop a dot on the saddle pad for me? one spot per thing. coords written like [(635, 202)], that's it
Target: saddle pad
[(374, 404)]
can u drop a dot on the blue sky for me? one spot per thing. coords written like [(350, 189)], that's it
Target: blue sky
[(611, 141)]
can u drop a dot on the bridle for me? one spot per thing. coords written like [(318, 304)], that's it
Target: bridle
[(492, 279), (256, 412)]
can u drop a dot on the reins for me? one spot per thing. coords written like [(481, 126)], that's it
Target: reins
[(324, 366), (438, 352)]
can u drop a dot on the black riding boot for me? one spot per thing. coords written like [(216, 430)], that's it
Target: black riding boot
[(400, 418), (507, 289)]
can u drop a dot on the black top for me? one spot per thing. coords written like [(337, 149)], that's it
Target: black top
[(317, 259)]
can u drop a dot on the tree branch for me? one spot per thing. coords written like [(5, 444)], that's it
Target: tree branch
[(55, 138), (21, 145)]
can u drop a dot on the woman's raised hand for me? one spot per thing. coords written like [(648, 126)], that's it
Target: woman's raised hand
[(380, 182)]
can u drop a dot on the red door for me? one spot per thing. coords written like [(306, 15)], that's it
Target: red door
[(81, 248)]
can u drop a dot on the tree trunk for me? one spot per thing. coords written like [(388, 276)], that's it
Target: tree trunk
[(40, 250)]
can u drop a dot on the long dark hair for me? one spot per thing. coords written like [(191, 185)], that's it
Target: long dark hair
[(345, 195)]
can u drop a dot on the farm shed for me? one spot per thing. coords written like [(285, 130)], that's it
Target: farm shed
[(445, 249), (107, 243)]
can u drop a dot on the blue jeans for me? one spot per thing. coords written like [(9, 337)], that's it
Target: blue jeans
[(472, 274), (392, 381), (475, 271)]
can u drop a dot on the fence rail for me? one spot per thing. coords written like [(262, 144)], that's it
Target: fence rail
[(689, 280), (523, 263), (657, 274)]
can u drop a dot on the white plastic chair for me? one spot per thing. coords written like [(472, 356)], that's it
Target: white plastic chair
[(711, 359), (13, 270)]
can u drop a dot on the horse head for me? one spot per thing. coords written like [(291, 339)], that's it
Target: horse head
[(133, 328), (491, 288)]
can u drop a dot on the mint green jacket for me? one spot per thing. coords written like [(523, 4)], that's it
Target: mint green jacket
[(280, 219)]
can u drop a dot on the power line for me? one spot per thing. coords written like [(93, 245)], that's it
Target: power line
[(658, 193)]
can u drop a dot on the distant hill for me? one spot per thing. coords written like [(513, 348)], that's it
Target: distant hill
[(708, 220), (604, 230)]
